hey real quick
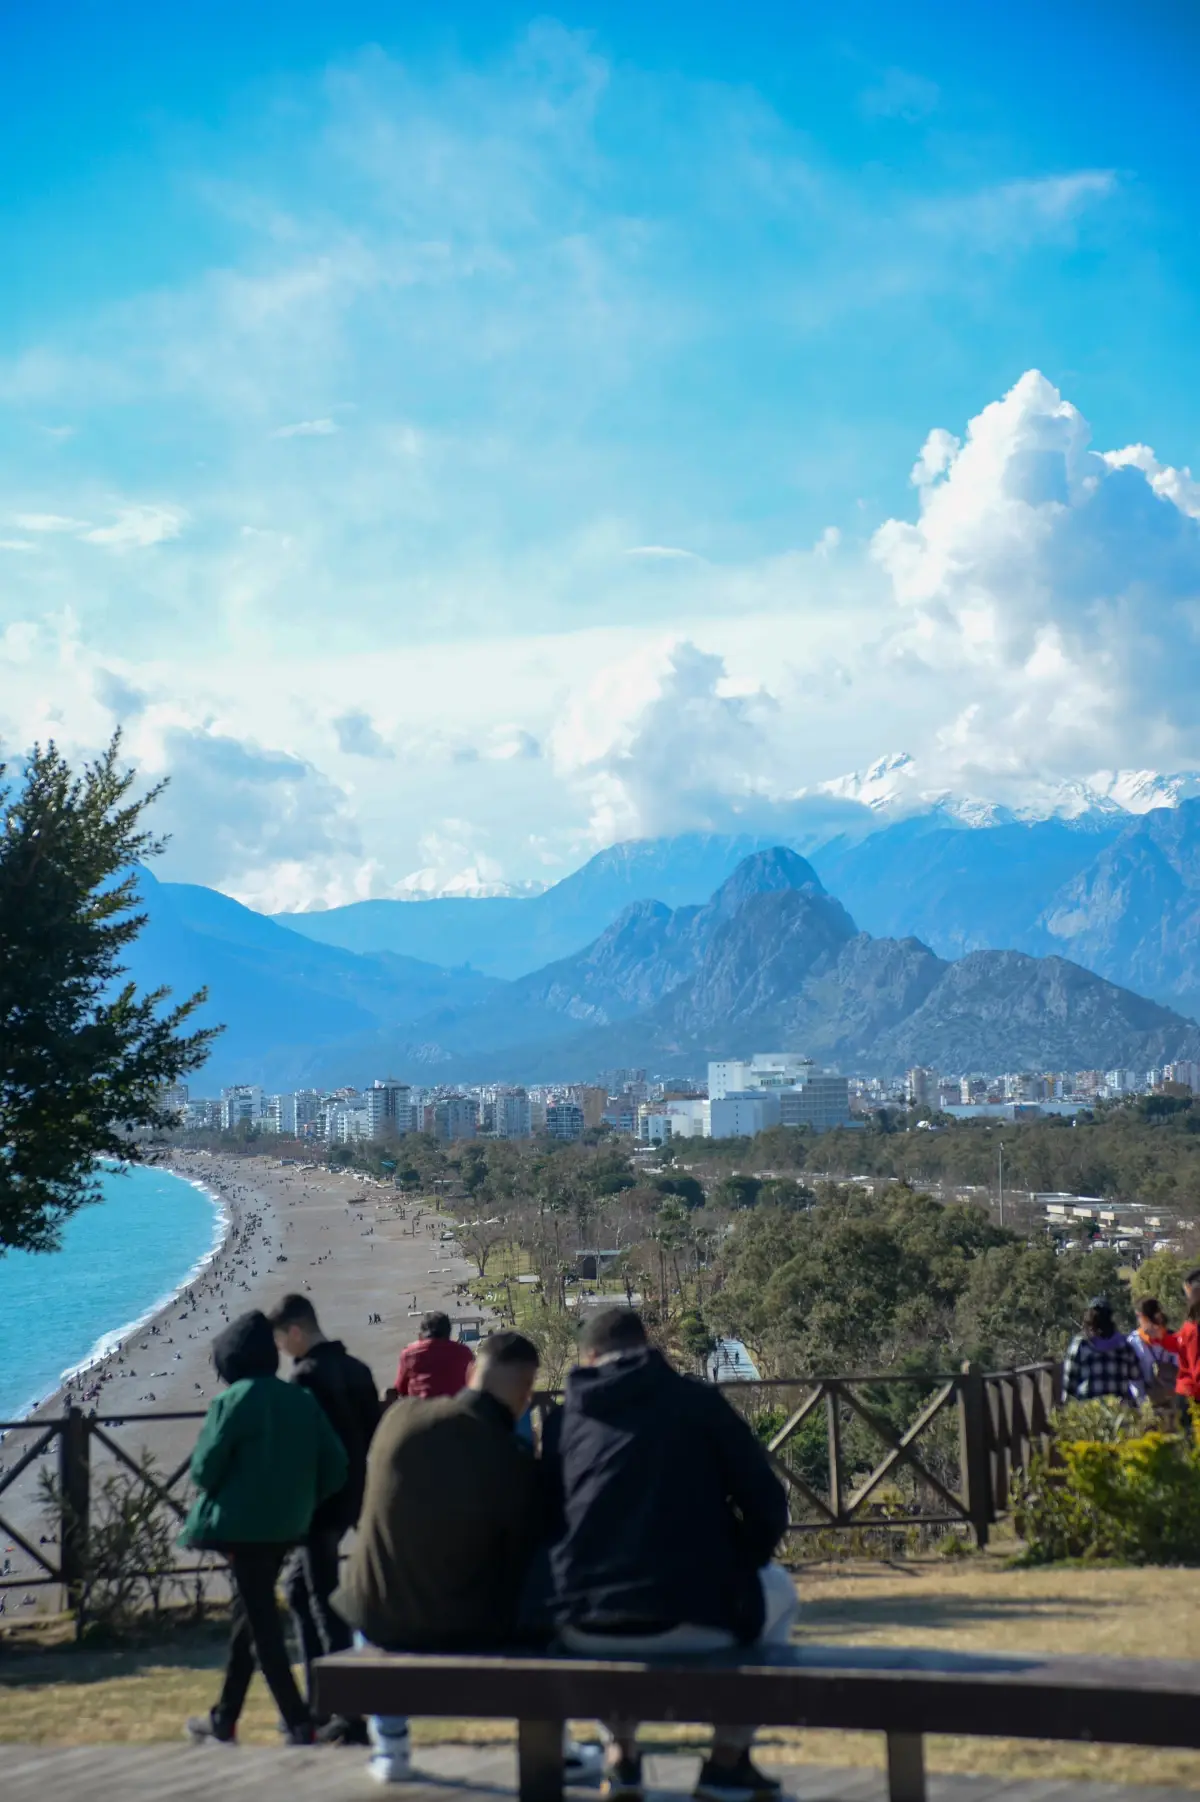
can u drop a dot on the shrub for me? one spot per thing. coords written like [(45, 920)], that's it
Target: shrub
[(1135, 1498)]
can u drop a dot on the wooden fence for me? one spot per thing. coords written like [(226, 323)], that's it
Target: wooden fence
[(949, 1464)]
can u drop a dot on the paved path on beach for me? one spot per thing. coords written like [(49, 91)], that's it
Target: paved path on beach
[(470, 1774)]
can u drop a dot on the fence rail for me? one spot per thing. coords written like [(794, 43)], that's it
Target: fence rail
[(847, 1448)]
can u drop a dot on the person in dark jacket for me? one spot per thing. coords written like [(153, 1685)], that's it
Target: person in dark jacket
[(345, 1389), (449, 1523), (670, 1514), (265, 1460)]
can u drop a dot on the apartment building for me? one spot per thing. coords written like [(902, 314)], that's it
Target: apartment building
[(242, 1103), (564, 1120), (512, 1116), (390, 1111)]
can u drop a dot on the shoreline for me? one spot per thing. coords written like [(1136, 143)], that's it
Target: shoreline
[(114, 1340), (371, 1259)]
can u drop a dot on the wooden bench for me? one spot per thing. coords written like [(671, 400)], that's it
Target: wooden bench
[(904, 1693)]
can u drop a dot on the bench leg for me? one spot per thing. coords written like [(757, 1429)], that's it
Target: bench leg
[(906, 1767), (540, 1761)]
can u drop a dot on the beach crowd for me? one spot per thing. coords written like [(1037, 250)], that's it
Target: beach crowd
[(643, 1517)]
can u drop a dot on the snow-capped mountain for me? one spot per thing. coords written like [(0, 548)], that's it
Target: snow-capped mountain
[(893, 786)]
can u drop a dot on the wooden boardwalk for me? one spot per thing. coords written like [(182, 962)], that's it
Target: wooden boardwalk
[(182, 1773)]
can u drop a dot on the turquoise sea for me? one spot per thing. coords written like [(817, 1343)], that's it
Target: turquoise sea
[(119, 1261)]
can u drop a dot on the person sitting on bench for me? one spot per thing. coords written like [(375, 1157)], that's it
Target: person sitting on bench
[(670, 1515), (450, 1521)]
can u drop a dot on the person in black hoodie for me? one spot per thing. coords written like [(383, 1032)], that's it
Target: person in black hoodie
[(669, 1514), (345, 1388)]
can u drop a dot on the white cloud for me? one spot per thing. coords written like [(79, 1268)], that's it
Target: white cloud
[(307, 428), (136, 528), (828, 542), (50, 522), (17, 544), (682, 753), (243, 817), (1054, 589), (667, 551)]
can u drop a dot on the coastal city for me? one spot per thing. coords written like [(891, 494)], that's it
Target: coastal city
[(741, 1098)]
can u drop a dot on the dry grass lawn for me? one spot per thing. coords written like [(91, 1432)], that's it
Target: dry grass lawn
[(60, 1694)]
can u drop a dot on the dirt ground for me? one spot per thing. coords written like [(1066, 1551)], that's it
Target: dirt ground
[(59, 1693)]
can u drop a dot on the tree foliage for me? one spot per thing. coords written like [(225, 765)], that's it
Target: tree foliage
[(860, 1283), (83, 1057)]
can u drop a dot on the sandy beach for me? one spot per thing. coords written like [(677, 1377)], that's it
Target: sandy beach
[(371, 1261)]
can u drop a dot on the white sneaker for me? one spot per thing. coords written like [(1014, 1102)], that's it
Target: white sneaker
[(583, 1765), (391, 1767)]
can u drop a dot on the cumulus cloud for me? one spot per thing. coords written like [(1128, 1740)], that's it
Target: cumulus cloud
[(357, 737), (1058, 587), (684, 753), (245, 818)]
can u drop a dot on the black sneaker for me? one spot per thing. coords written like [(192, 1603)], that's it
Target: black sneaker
[(206, 1730), (622, 1780), (738, 1782), (303, 1735), (341, 1732)]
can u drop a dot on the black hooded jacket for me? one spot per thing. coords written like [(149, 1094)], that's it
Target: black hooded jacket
[(346, 1391), (669, 1505)]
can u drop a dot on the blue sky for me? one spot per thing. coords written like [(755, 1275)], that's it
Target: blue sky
[(447, 444)]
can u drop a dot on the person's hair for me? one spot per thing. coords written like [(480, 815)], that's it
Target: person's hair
[(293, 1310), (1150, 1308), (1192, 1279), (612, 1330), (506, 1349), (1098, 1321), (435, 1325), (1192, 1282)]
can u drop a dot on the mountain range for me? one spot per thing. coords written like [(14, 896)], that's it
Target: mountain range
[(769, 957), (1114, 890)]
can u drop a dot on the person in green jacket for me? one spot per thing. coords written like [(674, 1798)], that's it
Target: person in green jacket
[(265, 1458)]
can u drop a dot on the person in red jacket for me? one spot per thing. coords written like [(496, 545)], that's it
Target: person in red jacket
[(435, 1364), (1186, 1346)]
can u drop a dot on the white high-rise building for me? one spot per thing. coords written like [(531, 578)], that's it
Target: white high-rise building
[(279, 1115), (244, 1102), (765, 1070), (512, 1115), (389, 1109)]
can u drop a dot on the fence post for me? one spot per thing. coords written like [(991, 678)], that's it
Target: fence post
[(973, 1451), (74, 1481), (834, 1424)]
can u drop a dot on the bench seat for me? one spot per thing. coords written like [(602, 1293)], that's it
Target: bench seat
[(902, 1692)]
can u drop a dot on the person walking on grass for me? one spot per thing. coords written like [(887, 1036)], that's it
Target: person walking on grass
[(669, 1514), (345, 1389), (1100, 1360), (434, 1364), (265, 1460)]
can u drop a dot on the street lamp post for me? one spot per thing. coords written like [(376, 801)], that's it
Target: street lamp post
[(1001, 1164)]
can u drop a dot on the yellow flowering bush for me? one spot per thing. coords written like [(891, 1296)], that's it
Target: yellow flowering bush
[(1135, 1499)]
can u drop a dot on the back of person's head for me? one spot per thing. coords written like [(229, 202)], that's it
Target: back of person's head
[(246, 1348), (1150, 1308), (1098, 1321), (506, 1366), (435, 1325), (610, 1331), (294, 1310), (1191, 1288)]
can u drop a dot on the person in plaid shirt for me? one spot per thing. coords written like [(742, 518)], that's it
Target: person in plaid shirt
[(1100, 1360)]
